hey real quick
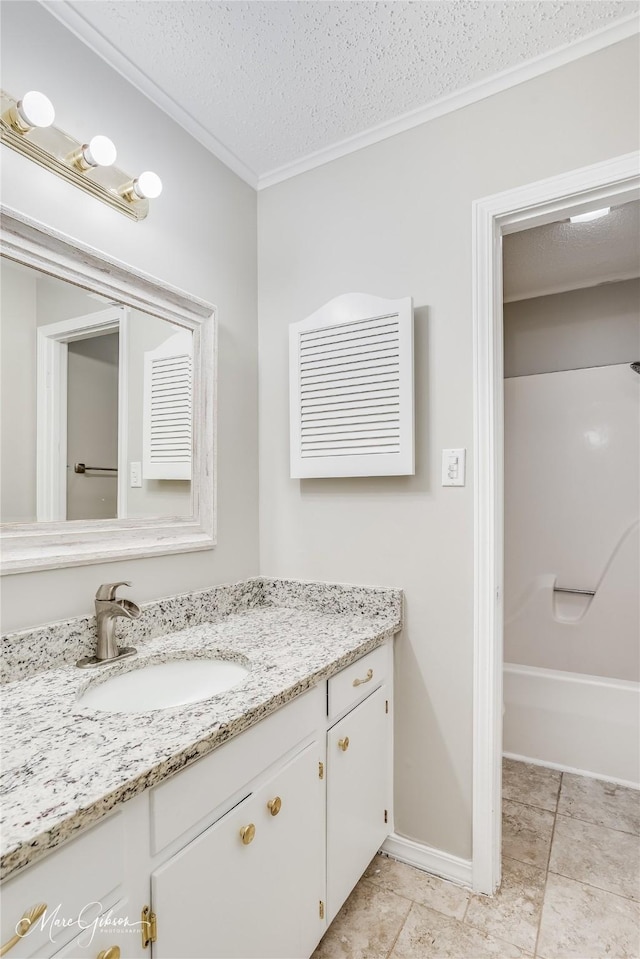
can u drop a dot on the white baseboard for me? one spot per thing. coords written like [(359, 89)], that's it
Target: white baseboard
[(428, 859), (589, 725)]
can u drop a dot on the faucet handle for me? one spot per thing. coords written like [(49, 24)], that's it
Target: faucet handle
[(108, 590)]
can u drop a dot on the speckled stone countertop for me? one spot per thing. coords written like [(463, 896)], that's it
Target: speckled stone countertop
[(64, 765)]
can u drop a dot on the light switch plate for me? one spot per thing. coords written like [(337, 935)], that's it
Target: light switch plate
[(135, 478), (453, 467)]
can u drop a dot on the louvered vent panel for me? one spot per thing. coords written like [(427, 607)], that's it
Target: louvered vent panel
[(351, 401), (168, 412)]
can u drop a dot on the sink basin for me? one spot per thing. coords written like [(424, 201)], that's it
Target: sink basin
[(162, 685)]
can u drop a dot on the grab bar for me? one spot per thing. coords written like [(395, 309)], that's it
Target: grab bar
[(81, 468), (580, 592)]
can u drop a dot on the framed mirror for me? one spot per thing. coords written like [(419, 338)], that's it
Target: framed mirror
[(108, 397)]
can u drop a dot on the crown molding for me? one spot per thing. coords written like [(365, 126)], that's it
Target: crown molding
[(74, 21), (620, 30)]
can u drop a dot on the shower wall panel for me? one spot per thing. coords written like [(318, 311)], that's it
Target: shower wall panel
[(572, 491)]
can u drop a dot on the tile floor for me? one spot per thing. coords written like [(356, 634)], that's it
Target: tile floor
[(570, 884)]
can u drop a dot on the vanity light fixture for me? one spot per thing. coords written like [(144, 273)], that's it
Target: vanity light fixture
[(592, 215), (26, 125)]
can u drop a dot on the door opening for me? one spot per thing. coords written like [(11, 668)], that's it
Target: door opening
[(610, 183)]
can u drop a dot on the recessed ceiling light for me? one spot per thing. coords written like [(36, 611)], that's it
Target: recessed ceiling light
[(592, 215)]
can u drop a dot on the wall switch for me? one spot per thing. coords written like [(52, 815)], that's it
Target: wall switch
[(136, 475), (453, 467)]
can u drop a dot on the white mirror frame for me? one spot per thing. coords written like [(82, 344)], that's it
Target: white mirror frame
[(34, 546)]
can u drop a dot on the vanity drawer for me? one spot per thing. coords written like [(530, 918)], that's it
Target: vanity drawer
[(195, 792), (84, 874), (352, 684)]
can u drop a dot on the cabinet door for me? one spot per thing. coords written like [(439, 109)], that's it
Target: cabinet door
[(358, 780), (222, 897)]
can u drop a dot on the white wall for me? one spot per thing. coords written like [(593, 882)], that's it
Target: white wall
[(394, 219), (200, 236), (598, 326)]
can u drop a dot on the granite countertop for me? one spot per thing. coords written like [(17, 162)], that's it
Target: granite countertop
[(65, 765)]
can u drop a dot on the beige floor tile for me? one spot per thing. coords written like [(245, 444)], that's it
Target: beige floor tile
[(367, 925), (580, 922), (533, 785), (526, 833), (513, 913), (597, 856), (602, 803), (419, 886), (427, 934)]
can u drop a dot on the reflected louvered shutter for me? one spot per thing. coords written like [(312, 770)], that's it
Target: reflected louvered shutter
[(351, 389), (168, 409)]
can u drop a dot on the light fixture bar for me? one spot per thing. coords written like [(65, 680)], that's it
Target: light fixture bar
[(59, 152)]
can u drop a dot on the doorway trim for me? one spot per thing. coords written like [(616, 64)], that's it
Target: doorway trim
[(535, 204), (51, 435)]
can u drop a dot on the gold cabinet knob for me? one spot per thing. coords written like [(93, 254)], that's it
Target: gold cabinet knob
[(247, 833), (344, 744), (274, 806), (22, 926), (113, 952)]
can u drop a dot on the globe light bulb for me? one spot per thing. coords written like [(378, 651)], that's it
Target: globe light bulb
[(35, 110), (99, 151), (148, 186)]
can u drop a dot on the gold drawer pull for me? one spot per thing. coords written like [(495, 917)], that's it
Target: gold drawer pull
[(247, 833), (23, 925), (367, 679), (274, 806), (113, 952), (344, 744)]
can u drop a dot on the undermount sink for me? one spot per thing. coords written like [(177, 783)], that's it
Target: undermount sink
[(163, 685)]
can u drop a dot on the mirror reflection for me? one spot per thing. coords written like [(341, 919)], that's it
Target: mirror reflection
[(96, 405)]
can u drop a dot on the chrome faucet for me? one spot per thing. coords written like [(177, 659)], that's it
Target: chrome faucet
[(108, 609)]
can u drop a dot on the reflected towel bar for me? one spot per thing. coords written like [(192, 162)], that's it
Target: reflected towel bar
[(581, 592), (81, 468)]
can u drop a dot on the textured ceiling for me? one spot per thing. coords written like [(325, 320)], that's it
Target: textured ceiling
[(274, 82), (570, 256)]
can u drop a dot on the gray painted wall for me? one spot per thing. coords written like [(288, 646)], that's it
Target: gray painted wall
[(394, 219), (92, 426), (18, 305), (200, 236), (598, 326)]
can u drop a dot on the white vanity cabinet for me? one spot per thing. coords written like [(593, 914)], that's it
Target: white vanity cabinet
[(359, 780), (251, 884), (75, 883), (248, 853)]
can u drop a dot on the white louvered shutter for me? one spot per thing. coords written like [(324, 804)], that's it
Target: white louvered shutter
[(168, 409), (351, 389)]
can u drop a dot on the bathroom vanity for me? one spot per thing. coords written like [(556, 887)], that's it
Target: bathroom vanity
[(232, 827)]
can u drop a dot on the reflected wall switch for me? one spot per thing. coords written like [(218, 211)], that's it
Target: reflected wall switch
[(453, 467), (136, 475)]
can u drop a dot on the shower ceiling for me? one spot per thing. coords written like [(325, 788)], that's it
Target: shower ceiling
[(272, 88)]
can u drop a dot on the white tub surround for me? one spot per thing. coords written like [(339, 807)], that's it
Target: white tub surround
[(65, 766), (581, 724)]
